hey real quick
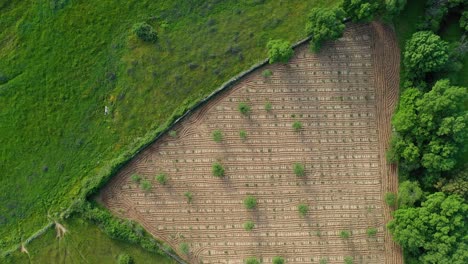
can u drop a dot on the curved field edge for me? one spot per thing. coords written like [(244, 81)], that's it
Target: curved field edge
[(52, 144)]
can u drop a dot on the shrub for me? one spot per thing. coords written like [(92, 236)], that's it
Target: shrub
[(217, 169), (189, 196), (243, 134), (409, 193), (268, 106), (125, 259), (145, 32), (299, 169), (145, 185), (323, 261), (184, 248), (390, 199), (161, 178), (252, 261), (279, 51), (371, 231), (217, 136), (278, 260), (303, 209), (173, 133), (267, 73), (348, 260), (344, 234), (136, 178), (249, 225), (250, 202), (297, 126), (244, 108), (324, 24)]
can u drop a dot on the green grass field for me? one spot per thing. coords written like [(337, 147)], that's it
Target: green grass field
[(64, 61)]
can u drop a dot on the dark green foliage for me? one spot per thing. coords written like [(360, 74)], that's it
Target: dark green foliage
[(189, 196), (249, 225), (299, 169), (303, 209), (409, 193), (3, 79), (348, 260), (145, 32), (297, 125), (430, 128), (435, 232), (324, 24), (184, 248), (436, 10), (345, 234), (394, 7), (252, 260), (457, 184), (390, 199), (267, 73), (217, 169), (250, 202), (463, 22), (243, 134), (425, 52), (244, 108), (371, 231), (360, 10), (278, 260), (217, 136), (145, 185), (161, 178), (125, 259), (136, 178), (279, 51), (268, 106)]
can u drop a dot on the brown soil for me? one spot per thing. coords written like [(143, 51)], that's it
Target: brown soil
[(344, 97)]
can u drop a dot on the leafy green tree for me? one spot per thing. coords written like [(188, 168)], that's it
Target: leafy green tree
[(409, 193), (371, 231), (217, 136), (249, 225), (303, 209), (425, 52), (345, 234), (390, 199), (145, 185), (161, 178), (217, 169), (297, 126), (299, 169), (250, 202), (125, 259), (394, 7), (360, 10), (435, 232), (184, 248), (324, 24), (145, 32), (244, 108), (252, 260), (457, 184), (430, 128), (279, 51), (278, 260)]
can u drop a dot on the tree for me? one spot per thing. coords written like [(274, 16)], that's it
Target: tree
[(394, 7), (249, 225), (217, 136), (125, 259), (161, 178), (279, 51), (145, 185), (360, 10), (298, 169), (250, 202), (324, 24), (184, 248), (345, 234), (464, 21), (244, 108), (278, 260), (425, 52), (303, 209), (217, 169), (252, 261), (145, 32), (390, 199), (435, 232), (409, 193)]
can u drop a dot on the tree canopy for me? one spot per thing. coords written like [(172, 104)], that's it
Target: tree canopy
[(279, 50), (409, 193), (435, 232), (324, 24), (394, 7), (145, 32), (360, 10), (425, 52)]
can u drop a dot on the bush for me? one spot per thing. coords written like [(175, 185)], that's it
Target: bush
[(348, 260), (323, 261), (278, 260), (189, 196), (161, 178), (145, 185), (297, 126), (250, 202), (136, 178), (125, 259), (252, 261), (390, 199), (279, 51), (371, 231), (184, 248), (243, 134), (244, 108), (268, 106), (324, 24), (145, 32), (344, 234), (298, 169), (173, 133), (303, 209), (217, 169), (217, 136), (267, 73), (249, 225)]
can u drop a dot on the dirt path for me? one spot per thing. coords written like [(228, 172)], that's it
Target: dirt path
[(343, 97)]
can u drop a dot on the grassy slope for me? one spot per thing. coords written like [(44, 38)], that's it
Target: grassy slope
[(65, 63), (83, 243)]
